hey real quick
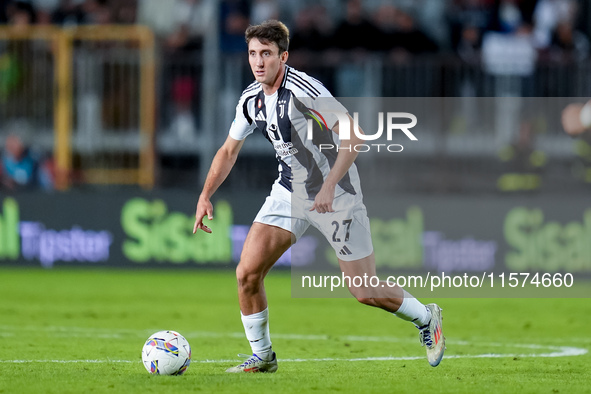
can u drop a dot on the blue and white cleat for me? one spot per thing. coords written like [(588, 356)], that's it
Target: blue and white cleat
[(431, 336), (255, 364)]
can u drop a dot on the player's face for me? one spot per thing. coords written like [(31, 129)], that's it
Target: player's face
[(265, 62)]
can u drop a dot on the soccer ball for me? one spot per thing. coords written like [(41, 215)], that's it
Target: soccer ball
[(166, 353)]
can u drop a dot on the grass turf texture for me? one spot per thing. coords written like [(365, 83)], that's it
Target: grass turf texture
[(105, 315)]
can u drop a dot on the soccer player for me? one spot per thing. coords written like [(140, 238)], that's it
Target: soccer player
[(576, 118), (314, 187)]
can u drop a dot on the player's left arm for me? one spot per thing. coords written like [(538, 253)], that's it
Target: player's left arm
[(345, 159)]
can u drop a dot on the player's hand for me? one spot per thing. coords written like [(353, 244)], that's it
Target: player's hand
[(571, 119), (204, 207), (324, 199)]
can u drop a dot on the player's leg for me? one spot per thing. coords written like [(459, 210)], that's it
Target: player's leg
[(263, 246), (394, 299), (348, 231), (383, 295)]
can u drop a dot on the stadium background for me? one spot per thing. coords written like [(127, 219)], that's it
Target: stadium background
[(120, 107)]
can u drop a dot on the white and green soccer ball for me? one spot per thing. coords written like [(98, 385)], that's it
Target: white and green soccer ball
[(166, 353)]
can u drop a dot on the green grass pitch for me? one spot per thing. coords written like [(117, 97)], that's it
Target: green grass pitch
[(81, 331)]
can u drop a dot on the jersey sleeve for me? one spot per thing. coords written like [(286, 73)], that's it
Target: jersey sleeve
[(326, 105), (243, 124), (329, 107)]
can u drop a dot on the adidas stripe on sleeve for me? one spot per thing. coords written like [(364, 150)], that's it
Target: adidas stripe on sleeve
[(243, 124)]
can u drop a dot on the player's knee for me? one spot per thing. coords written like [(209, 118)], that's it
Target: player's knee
[(247, 278)]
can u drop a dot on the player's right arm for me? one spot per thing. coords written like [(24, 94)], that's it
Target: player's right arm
[(220, 168), (242, 126)]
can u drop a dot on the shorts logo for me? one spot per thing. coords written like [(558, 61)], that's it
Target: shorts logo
[(260, 103), (345, 251)]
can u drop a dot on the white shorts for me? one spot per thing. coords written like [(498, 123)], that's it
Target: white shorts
[(346, 229)]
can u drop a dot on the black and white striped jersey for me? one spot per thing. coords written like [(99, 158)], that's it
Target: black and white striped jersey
[(283, 119)]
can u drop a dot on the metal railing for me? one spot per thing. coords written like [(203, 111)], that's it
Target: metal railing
[(90, 92)]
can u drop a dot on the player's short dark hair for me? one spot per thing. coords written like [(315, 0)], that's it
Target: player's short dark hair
[(270, 31)]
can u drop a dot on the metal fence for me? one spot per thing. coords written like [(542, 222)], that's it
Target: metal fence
[(112, 108), (495, 132), (87, 95), (28, 76)]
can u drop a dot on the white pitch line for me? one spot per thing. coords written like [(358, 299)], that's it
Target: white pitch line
[(66, 361), (565, 351), (555, 351), (97, 332)]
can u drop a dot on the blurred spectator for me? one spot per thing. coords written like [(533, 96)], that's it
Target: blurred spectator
[(410, 37), (312, 30), (310, 43), (356, 32), (125, 11), (429, 16), (262, 10), (97, 12), (69, 13), (510, 16), (45, 9), (468, 20), (192, 18), (400, 34), (3, 12), (508, 50), (470, 44), (234, 17), (22, 169), (548, 15), (21, 13), (158, 16), (384, 18), (354, 37), (94, 12), (509, 57), (568, 44), (46, 5)]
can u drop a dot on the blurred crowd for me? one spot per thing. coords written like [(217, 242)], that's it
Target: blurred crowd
[(21, 166), (486, 35), (555, 28)]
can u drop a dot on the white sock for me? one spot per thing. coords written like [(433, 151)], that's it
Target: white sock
[(256, 327), (413, 311)]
